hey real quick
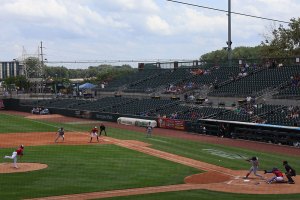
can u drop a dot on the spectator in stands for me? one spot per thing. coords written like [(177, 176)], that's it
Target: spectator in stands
[(186, 96), (35, 110), (192, 97), (274, 63), (204, 130), (194, 115), (222, 130)]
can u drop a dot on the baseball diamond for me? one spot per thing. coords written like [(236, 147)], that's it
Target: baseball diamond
[(213, 174)]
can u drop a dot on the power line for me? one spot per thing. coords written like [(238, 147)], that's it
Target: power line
[(118, 61), (220, 10)]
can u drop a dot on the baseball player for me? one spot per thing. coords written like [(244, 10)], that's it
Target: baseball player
[(278, 178), (289, 172), (60, 133), (15, 154), (102, 128), (254, 168), (149, 130), (94, 133)]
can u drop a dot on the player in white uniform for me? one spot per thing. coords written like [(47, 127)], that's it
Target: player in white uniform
[(149, 130), (254, 168), (15, 154), (60, 133)]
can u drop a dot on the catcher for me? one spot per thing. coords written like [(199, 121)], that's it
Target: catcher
[(15, 154), (254, 168), (278, 178)]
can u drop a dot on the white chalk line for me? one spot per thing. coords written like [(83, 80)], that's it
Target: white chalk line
[(158, 140)]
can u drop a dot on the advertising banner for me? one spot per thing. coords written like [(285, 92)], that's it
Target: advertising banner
[(171, 123)]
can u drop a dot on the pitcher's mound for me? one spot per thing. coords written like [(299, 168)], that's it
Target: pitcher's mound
[(23, 167), (207, 177)]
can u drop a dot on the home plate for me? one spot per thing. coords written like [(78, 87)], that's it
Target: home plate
[(246, 180)]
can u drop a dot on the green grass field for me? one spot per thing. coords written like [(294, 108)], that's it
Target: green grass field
[(84, 168)]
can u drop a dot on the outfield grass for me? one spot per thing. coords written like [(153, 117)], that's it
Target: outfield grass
[(195, 150), (17, 124), (206, 195), (78, 169)]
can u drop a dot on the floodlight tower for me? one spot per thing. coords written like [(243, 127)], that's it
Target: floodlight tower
[(229, 42), (34, 68)]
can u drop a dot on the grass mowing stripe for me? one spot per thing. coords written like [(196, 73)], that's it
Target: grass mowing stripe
[(206, 195), (56, 126), (79, 169)]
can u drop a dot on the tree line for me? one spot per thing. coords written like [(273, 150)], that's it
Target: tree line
[(280, 43)]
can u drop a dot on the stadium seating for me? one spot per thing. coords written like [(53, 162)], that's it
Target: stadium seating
[(256, 84)]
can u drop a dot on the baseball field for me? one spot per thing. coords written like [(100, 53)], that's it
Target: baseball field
[(127, 165)]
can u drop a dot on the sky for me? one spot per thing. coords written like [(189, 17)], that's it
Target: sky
[(131, 30)]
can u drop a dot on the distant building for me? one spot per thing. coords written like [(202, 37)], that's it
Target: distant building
[(10, 69)]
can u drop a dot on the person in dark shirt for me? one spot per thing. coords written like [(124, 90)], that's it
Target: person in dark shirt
[(289, 172), (102, 128)]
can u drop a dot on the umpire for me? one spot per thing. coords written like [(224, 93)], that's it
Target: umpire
[(102, 128), (289, 172)]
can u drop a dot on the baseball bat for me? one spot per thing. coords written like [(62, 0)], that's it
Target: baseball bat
[(243, 157)]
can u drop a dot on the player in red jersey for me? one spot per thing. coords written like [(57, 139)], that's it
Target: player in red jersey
[(15, 154), (278, 176), (94, 133)]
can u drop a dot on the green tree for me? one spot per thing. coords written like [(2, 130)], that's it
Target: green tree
[(19, 81), (56, 72), (283, 41)]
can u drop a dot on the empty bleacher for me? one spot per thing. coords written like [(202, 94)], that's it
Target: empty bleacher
[(256, 84)]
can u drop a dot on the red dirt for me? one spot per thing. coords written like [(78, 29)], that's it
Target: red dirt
[(37, 139), (23, 167), (216, 178), (207, 177)]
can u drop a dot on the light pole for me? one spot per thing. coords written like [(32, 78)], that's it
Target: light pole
[(55, 85), (229, 42)]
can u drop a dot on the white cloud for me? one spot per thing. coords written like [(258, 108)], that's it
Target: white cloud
[(135, 5), (123, 29), (158, 25)]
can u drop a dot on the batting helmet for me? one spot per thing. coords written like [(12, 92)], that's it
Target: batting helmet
[(254, 158)]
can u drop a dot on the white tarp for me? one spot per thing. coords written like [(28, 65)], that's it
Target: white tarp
[(136, 121)]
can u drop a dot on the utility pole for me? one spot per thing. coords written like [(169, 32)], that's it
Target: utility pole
[(229, 42), (42, 69), (42, 56)]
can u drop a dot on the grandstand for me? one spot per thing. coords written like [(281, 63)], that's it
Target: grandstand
[(246, 99)]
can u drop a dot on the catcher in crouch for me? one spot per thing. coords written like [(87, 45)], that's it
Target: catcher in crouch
[(15, 154), (278, 176)]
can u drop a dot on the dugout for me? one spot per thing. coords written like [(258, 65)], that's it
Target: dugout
[(285, 135)]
